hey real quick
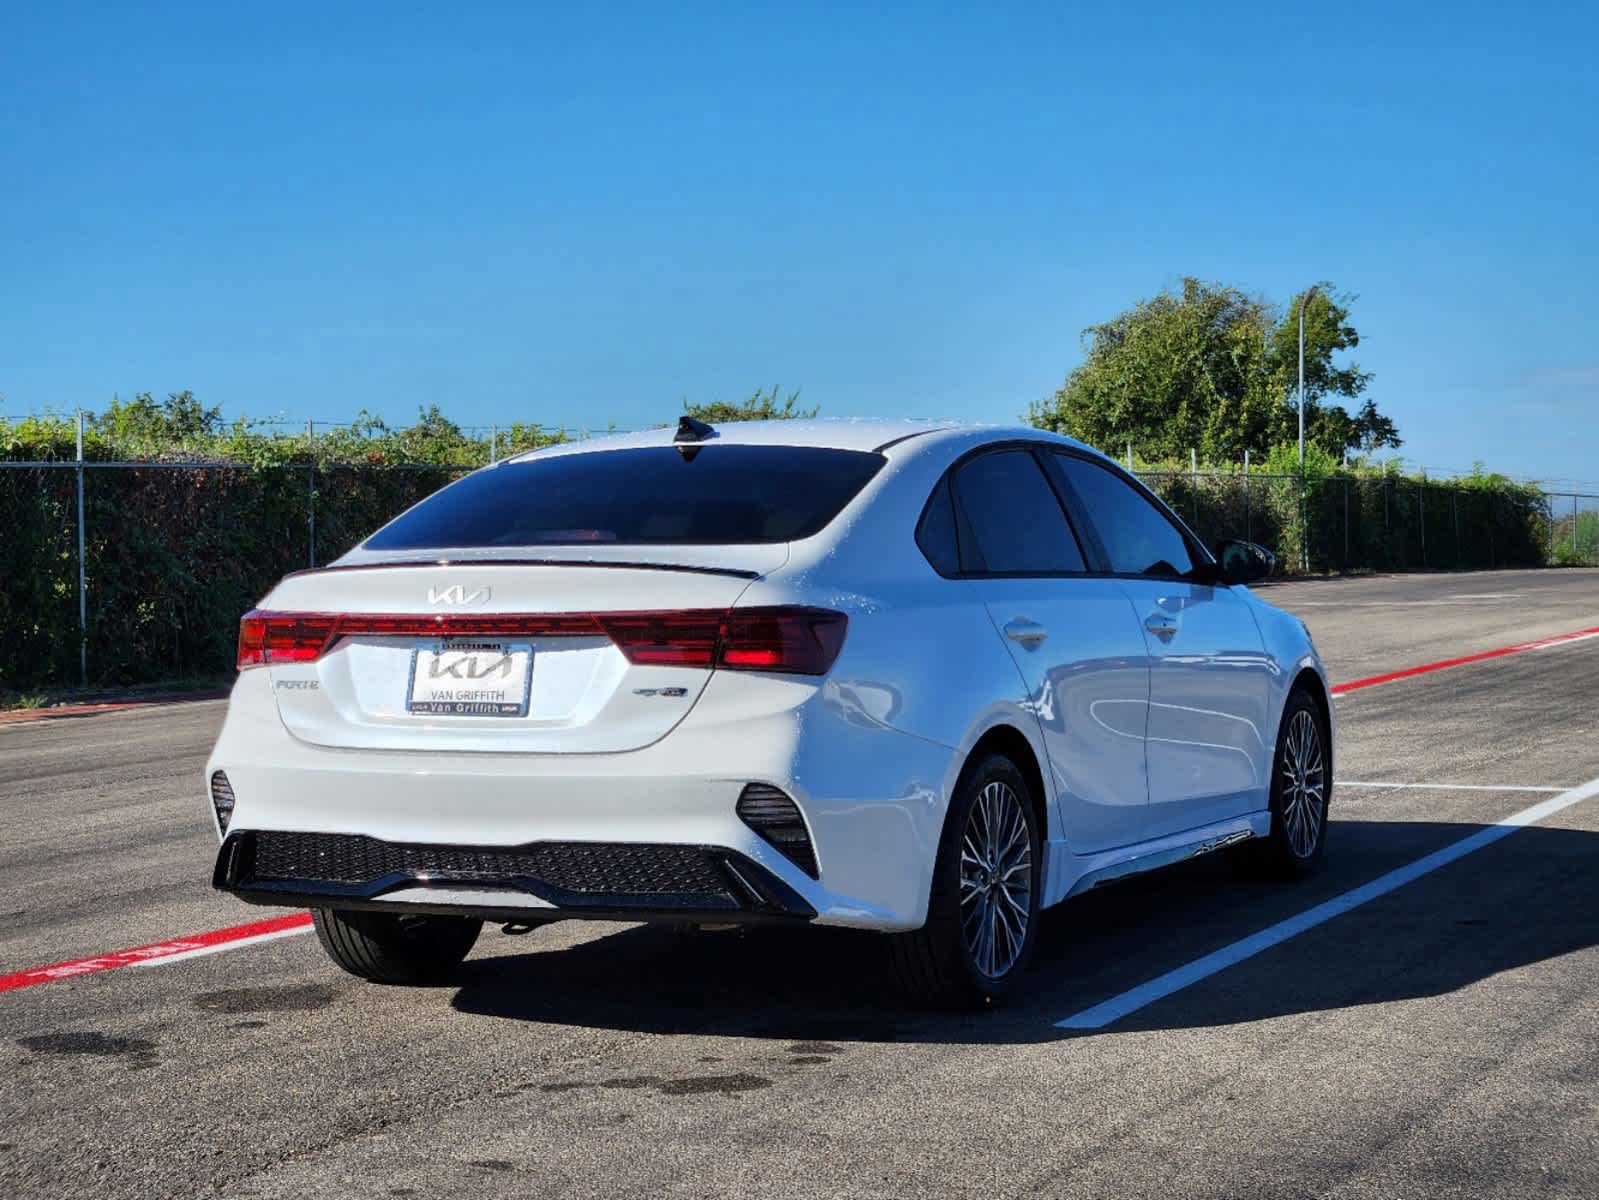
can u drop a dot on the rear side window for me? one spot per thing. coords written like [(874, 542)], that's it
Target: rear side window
[(1014, 516), (1139, 539), (655, 495)]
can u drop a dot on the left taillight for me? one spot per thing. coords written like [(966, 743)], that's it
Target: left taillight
[(282, 637)]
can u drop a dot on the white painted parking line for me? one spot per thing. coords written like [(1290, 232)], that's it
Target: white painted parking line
[(1442, 602), (1581, 637), (1448, 787), (155, 953), (1144, 994), (219, 947)]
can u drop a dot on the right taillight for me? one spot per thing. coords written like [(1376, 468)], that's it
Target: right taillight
[(793, 641), (799, 641)]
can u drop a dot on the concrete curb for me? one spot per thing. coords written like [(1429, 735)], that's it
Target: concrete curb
[(20, 715)]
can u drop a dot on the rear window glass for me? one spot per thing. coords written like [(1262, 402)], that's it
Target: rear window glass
[(652, 495)]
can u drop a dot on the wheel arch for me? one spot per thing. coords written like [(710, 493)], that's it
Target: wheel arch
[(1312, 682), (1012, 743)]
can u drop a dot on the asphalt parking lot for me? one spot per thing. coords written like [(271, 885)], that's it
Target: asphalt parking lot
[(1435, 1040)]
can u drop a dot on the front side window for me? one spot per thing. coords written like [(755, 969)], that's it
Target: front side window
[(1016, 521), (1139, 539), (652, 495)]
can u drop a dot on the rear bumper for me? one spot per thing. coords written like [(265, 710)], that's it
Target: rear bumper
[(872, 799), (613, 881)]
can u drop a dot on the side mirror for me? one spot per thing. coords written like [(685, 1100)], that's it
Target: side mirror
[(1242, 562)]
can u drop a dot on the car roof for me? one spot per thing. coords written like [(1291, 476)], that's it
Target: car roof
[(840, 433)]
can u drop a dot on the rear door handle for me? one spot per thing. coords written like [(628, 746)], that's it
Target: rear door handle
[(1162, 626), (1026, 633)]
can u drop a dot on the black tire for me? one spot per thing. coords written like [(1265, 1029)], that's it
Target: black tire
[(1287, 852), (938, 965), (395, 947)]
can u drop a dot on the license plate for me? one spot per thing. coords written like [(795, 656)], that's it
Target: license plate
[(471, 679)]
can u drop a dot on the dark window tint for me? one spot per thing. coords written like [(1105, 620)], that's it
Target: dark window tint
[(936, 533), (652, 495), (1138, 537), (1014, 516)]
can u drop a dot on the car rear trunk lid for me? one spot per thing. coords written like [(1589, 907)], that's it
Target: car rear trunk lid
[(503, 656)]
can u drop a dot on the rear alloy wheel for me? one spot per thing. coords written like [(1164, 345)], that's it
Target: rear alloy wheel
[(983, 913), (996, 880), (1301, 788), (402, 948)]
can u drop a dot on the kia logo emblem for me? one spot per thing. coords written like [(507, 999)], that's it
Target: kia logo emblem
[(457, 594)]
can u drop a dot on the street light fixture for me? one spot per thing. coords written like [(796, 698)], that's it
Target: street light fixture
[(1303, 300)]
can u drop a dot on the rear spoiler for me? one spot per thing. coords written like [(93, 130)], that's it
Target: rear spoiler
[(731, 572)]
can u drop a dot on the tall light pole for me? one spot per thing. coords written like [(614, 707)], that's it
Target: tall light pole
[(1303, 300)]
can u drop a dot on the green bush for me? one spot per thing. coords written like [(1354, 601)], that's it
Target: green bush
[(173, 554)]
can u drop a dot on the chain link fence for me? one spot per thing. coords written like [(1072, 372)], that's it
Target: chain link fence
[(1387, 522), (173, 552)]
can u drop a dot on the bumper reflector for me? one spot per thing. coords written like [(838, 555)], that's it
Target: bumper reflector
[(772, 814), (222, 798)]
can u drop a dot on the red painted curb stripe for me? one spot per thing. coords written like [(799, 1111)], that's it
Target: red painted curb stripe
[(153, 952), (79, 710), (1355, 685)]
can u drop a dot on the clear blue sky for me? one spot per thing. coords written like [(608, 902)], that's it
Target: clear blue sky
[(585, 213)]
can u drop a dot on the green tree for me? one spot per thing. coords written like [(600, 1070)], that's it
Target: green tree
[(1328, 331), (761, 406), (1373, 431), (1213, 368)]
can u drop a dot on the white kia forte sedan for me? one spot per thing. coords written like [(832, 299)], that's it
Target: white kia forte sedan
[(900, 676)]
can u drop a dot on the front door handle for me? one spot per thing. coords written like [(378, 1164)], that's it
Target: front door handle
[(1026, 633), (1162, 626)]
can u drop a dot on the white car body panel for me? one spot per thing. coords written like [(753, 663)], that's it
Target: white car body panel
[(1208, 746), (1088, 687), (870, 752)]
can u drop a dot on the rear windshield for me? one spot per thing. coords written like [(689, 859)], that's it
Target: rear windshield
[(653, 495)]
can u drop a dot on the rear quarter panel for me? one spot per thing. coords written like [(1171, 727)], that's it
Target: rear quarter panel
[(922, 656)]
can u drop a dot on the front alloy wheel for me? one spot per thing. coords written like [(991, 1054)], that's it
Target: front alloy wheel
[(1304, 785), (1301, 787)]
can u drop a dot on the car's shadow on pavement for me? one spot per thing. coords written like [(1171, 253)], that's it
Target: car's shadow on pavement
[(1523, 900)]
